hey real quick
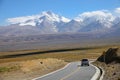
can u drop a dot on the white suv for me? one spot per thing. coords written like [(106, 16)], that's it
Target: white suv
[(84, 62)]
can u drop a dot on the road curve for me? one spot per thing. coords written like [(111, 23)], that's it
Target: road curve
[(71, 72)]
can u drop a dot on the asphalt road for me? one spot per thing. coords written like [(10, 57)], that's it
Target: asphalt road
[(71, 72)]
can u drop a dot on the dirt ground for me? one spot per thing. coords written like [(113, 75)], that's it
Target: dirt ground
[(27, 70), (112, 70)]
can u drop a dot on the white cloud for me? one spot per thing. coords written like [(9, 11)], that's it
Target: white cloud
[(117, 10), (21, 19), (96, 15), (103, 16)]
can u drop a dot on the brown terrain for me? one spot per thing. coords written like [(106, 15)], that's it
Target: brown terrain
[(29, 64), (27, 70), (110, 62)]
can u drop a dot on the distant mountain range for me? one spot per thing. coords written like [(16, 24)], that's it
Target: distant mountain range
[(51, 23)]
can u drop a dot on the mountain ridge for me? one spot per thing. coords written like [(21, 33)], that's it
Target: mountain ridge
[(51, 23)]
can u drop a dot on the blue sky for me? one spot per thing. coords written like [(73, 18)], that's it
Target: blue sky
[(67, 8)]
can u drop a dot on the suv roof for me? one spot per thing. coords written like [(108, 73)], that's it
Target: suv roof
[(84, 59)]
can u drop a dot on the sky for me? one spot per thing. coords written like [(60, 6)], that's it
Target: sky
[(67, 8)]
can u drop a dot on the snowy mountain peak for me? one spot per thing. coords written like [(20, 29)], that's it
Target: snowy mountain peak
[(54, 17), (48, 14), (49, 22), (37, 19)]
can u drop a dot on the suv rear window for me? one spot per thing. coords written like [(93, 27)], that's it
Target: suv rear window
[(84, 59)]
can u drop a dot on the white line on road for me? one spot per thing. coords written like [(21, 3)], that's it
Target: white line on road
[(52, 72), (103, 73), (97, 74)]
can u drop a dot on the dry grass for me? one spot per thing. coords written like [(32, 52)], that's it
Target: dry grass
[(41, 64), (29, 66), (112, 71), (73, 55), (27, 70), (18, 52)]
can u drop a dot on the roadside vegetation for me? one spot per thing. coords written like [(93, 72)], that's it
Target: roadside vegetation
[(29, 69), (8, 69), (67, 55), (40, 62)]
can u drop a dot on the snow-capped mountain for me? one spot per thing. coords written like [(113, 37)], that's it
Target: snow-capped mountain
[(51, 23), (35, 20), (71, 26), (96, 20)]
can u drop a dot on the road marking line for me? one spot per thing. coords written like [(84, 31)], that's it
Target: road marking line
[(103, 73), (70, 74), (53, 72), (97, 73)]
